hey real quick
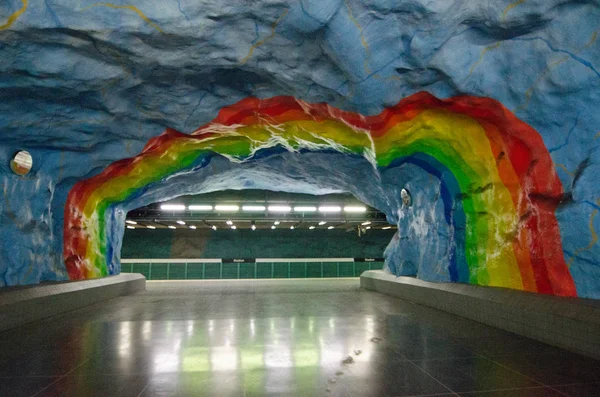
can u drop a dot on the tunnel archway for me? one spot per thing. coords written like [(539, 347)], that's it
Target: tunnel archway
[(494, 192)]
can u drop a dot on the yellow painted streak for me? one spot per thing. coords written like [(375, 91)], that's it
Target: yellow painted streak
[(592, 232), (466, 137), (483, 52), (510, 7), (132, 8), (495, 45), (564, 167), (15, 15), (263, 41), (362, 37), (554, 64)]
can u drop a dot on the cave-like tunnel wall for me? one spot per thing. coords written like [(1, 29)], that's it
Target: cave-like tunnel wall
[(84, 84)]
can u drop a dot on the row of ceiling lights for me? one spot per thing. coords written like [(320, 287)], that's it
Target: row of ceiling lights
[(262, 208), (253, 226)]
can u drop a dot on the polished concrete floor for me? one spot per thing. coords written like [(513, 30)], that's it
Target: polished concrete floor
[(279, 338)]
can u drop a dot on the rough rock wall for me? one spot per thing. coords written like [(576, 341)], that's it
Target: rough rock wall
[(84, 84)]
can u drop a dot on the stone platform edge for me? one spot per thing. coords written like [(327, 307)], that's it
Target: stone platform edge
[(568, 323), (22, 305)]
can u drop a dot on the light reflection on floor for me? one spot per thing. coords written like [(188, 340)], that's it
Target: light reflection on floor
[(242, 344), (278, 338)]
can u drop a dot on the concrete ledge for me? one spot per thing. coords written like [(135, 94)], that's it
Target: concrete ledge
[(569, 323), (21, 305)]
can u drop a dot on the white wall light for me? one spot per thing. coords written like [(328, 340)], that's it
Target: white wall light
[(200, 207), (181, 222), (386, 227), (353, 208), (213, 227), (131, 222), (233, 227), (330, 227), (276, 223), (151, 227), (21, 162), (305, 209), (330, 208), (130, 227), (322, 223), (368, 227), (253, 208), (366, 223), (292, 227), (229, 223), (172, 227), (227, 208), (192, 227), (253, 227), (279, 208), (311, 228), (273, 227), (172, 207)]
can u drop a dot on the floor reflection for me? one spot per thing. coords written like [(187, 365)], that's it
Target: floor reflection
[(278, 338)]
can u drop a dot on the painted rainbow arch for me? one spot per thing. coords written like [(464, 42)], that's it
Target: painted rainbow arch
[(489, 162)]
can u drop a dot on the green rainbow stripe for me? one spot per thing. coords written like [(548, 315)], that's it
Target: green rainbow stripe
[(495, 170)]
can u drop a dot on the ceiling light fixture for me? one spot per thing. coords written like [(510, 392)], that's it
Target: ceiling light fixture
[(368, 227), (330, 208), (172, 207), (366, 223), (386, 227), (322, 223), (213, 227), (305, 209), (253, 227), (253, 208), (227, 208), (181, 222), (229, 223), (292, 227), (233, 227), (280, 208), (192, 227), (131, 222), (331, 227), (276, 223), (273, 227), (200, 207), (130, 227), (351, 208), (311, 227), (151, 227)]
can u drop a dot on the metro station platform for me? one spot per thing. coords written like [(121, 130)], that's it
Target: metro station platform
[(309, 337)]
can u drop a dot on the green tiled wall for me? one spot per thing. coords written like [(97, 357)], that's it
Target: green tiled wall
[(208, 271), (245, 243)]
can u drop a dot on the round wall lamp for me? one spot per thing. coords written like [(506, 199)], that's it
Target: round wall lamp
[(406, 197), (21, 163)]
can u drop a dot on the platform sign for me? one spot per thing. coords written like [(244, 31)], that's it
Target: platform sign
[(369, 259), (239, 260)]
